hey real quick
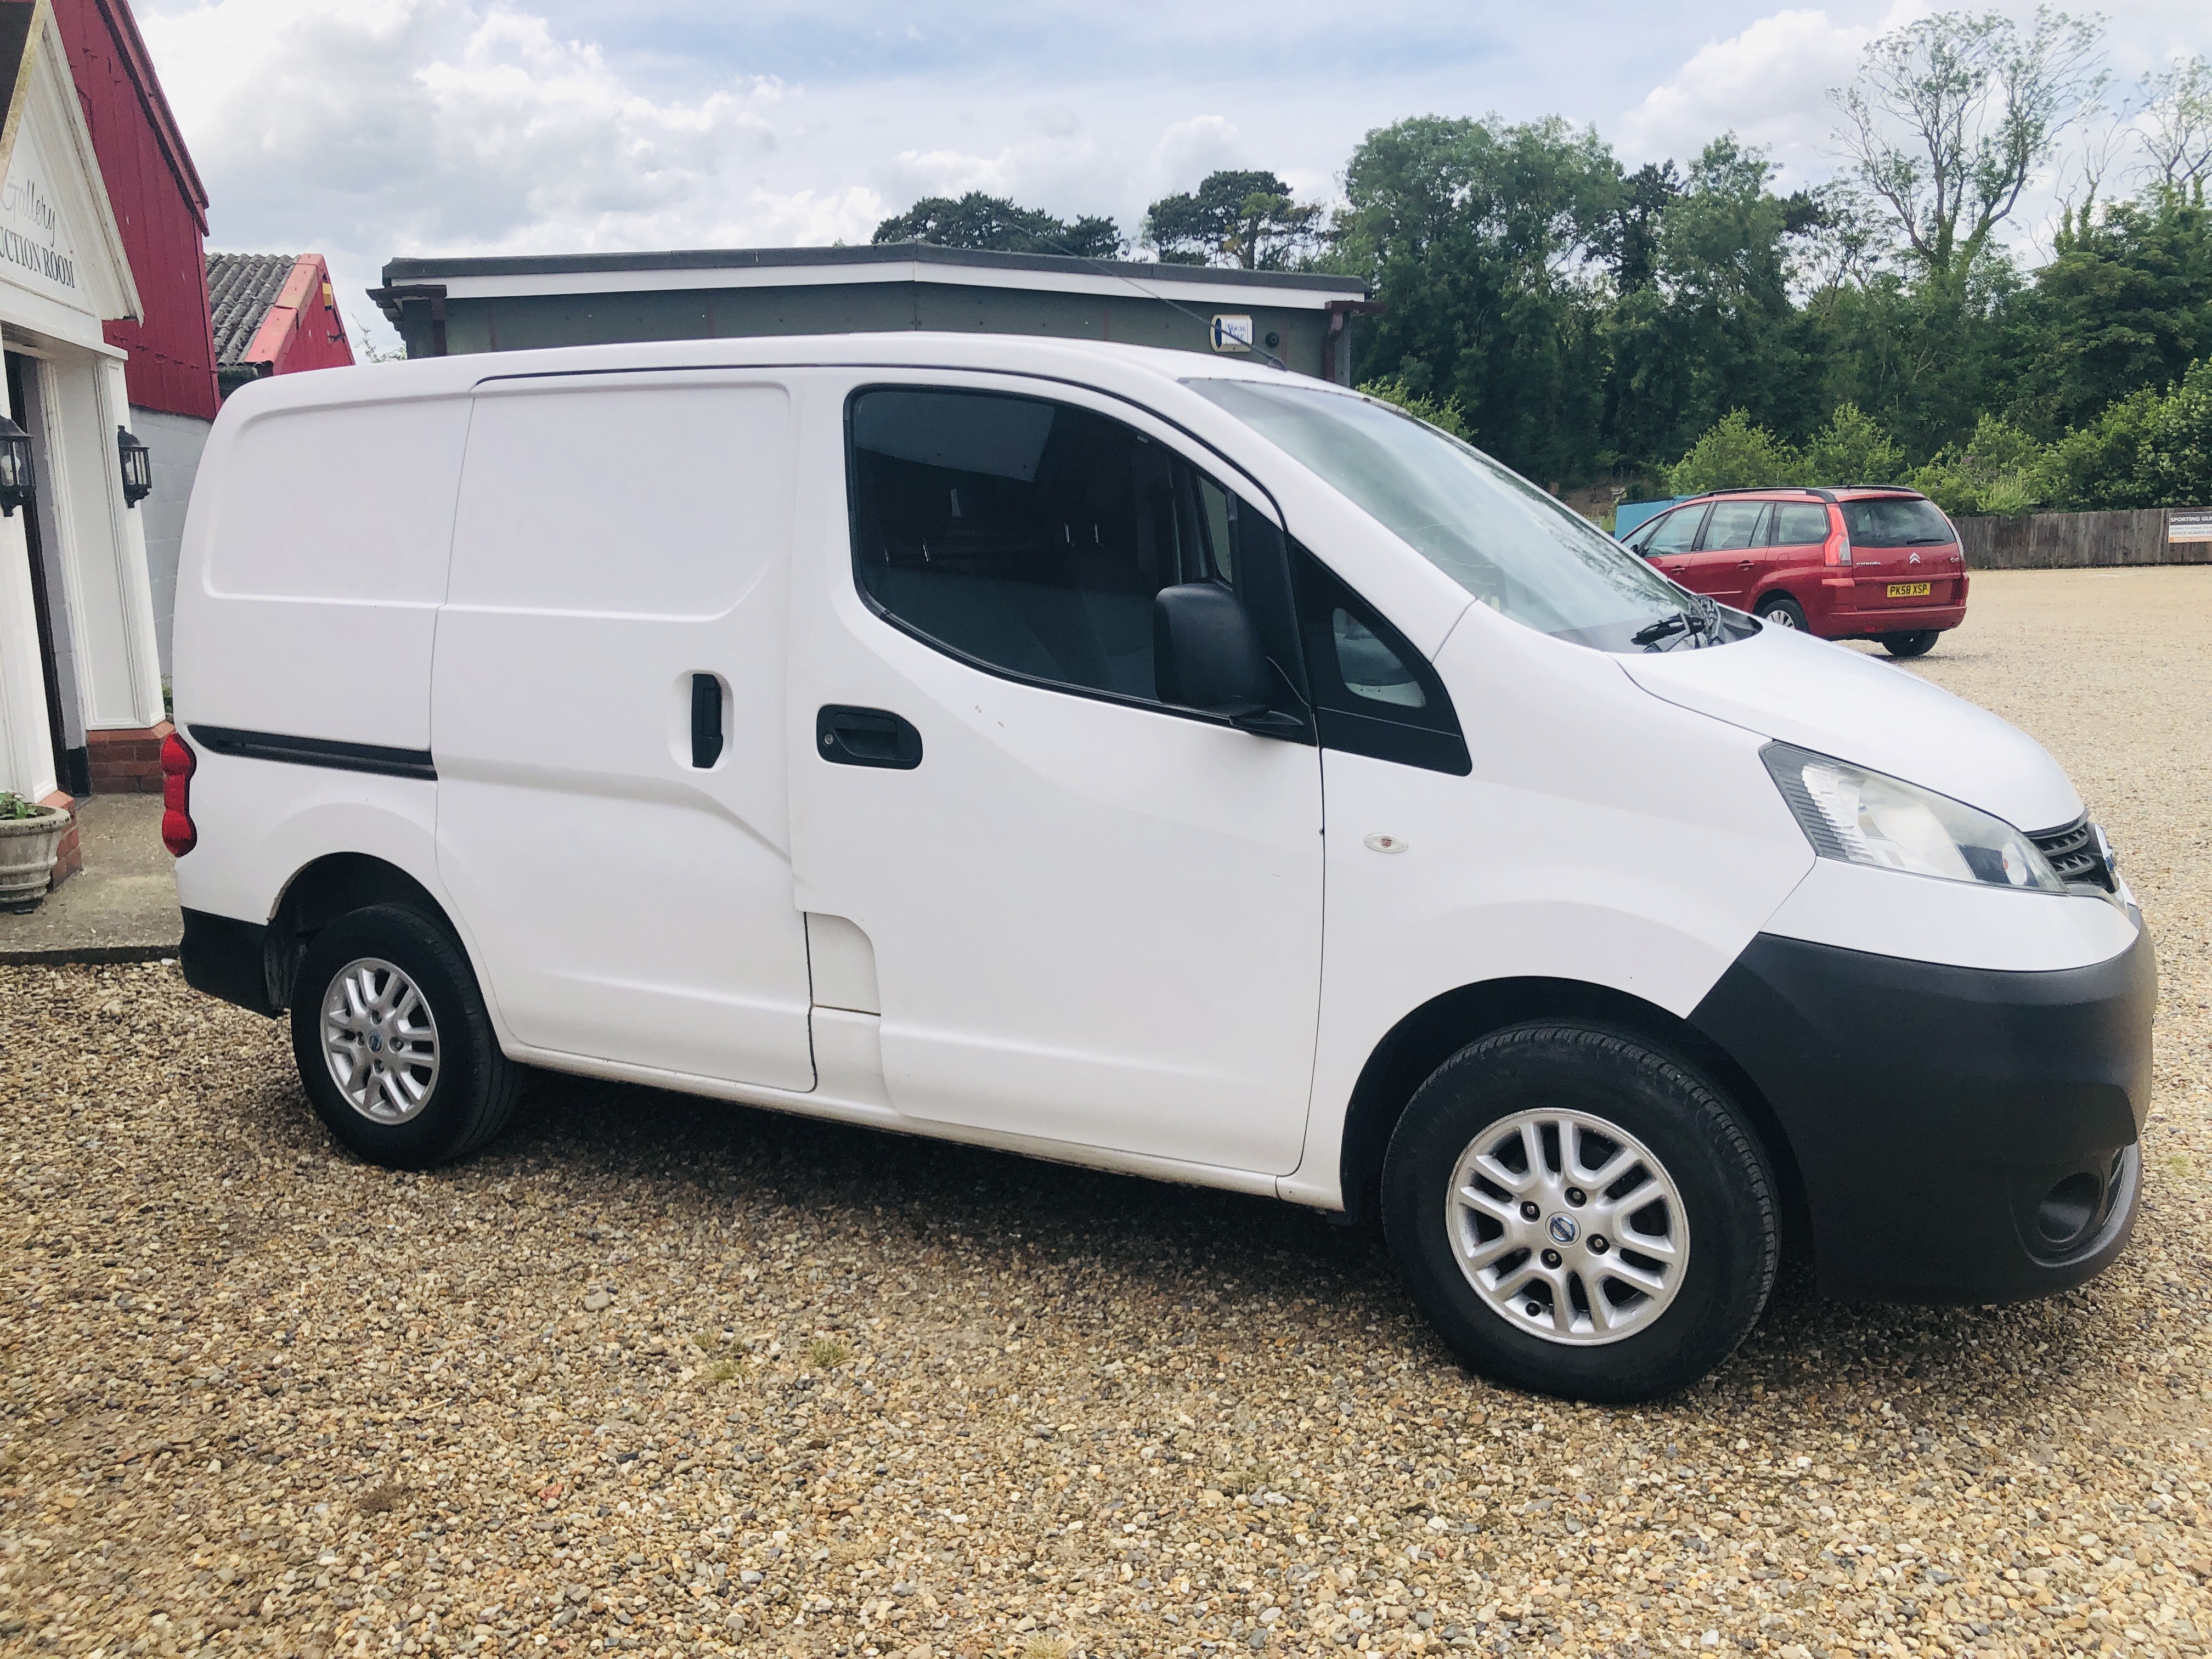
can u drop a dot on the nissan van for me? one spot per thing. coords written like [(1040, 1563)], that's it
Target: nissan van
[(1144, 761)]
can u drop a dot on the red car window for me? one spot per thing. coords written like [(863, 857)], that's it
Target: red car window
[(1675, 532), (1733, 524), (1800, 524)]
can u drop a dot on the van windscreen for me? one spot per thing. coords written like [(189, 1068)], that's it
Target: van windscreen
[(1490, 530)]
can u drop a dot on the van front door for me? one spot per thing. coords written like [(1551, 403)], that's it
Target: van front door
[(607, 723), (1092, 919)]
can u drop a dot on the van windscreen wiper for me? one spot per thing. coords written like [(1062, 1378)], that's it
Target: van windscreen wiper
[(1704, 617), (1674, 622)]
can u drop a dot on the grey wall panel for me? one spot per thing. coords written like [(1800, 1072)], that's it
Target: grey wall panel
[(525, 324)]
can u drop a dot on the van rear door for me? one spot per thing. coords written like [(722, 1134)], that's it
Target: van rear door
[(607, 720)]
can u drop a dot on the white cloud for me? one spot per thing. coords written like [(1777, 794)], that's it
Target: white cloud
[(1188, 150), (1768, 84), (402, 126)]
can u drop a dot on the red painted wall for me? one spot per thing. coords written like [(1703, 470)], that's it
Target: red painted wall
[(159, 202), (303, 329)]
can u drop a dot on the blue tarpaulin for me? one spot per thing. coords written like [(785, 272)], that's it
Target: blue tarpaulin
[(1629, 514)]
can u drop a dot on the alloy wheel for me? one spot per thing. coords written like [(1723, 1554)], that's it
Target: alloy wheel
[(379, 1040), (1567, 1227)]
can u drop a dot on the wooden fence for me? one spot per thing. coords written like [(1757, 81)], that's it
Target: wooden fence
[(2061, 541)]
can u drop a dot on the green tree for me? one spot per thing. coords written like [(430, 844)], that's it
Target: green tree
[(1734, 453), (1481, 240), (1717, 329), (2125, 304), (2176, 467), (2100, 467), (1949, 117), (1445, 417), (2175, 123), (1234, 218), (2000, 470), (996, 225), (1852, 449), (1628, 237)]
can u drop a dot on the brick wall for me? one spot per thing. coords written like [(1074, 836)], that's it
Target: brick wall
[(126, 762), (69, 856)]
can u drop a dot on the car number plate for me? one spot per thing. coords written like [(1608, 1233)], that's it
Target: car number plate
[(1908, 590)]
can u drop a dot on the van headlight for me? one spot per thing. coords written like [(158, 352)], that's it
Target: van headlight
[(1860, 817)]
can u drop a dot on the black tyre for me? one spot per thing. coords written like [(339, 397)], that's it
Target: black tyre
[(1783, 611), (1918, 643), (393, 1044), (1581, 1213)]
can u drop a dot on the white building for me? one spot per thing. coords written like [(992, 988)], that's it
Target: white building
[(79, 665)]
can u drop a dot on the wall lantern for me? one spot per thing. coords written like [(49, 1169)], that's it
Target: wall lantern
[(137, 468), (14, 467)]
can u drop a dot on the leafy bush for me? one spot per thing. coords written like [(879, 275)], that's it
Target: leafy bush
[(1999, 470), (2175, 466), (1447, 416), (1734, 453), (1852, 449), (2101, 467)]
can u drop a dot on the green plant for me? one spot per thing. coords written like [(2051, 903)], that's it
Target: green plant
[(1734, 453), (2000, 470), (1445, 417), (1852, 449), (13, 806), (827, 1354)]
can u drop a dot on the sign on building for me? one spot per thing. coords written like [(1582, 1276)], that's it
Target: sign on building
[(1232, 333)]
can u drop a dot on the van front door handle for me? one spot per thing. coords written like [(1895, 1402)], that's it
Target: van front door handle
[(846, 736)]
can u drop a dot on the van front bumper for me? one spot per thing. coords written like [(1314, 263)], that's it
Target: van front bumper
[(1961, 1134)]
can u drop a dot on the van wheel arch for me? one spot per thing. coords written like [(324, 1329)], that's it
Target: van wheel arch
[(1441, 1027), (335, 885)]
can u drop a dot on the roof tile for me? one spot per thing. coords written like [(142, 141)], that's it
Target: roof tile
[(241, 286)]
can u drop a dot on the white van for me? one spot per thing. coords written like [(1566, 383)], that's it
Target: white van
[(1150, 762)]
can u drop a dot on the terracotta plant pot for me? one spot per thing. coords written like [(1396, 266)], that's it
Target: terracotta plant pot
[(27, 849)]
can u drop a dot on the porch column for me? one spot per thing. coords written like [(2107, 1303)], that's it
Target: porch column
[(26, 751)]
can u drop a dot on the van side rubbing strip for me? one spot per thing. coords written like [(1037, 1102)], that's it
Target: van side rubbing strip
[(318, 752)]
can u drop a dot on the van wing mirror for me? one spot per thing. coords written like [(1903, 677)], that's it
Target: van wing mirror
[(1207, 654)]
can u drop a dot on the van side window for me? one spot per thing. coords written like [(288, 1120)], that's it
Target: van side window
[(1373, 693), (1028, 536)]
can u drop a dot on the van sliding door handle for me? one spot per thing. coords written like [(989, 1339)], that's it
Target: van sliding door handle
[(846, 736), (706, 721)]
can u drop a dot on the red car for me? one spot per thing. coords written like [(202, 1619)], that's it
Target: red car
[(1854, 563)]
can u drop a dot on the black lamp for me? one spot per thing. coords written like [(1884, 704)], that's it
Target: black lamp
[(14, 467), (137, 468)]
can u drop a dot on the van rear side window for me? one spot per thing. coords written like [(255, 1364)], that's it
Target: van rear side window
[(351, 503)]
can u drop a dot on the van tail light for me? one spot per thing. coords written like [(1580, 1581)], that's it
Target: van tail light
[(1837, 549), (178, 765)]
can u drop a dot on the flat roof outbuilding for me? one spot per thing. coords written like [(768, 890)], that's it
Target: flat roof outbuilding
[(444, 305)]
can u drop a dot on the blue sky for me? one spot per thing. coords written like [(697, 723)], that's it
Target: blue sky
[(363, 129)]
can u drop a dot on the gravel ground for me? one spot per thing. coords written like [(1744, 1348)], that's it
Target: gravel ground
[(657, 1376)]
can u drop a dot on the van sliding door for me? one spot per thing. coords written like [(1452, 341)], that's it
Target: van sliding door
[(607, 718)]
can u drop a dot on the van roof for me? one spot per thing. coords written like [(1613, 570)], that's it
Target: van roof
[(1106, 364)]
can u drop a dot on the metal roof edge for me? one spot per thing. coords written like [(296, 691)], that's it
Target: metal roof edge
[(415, 268)]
